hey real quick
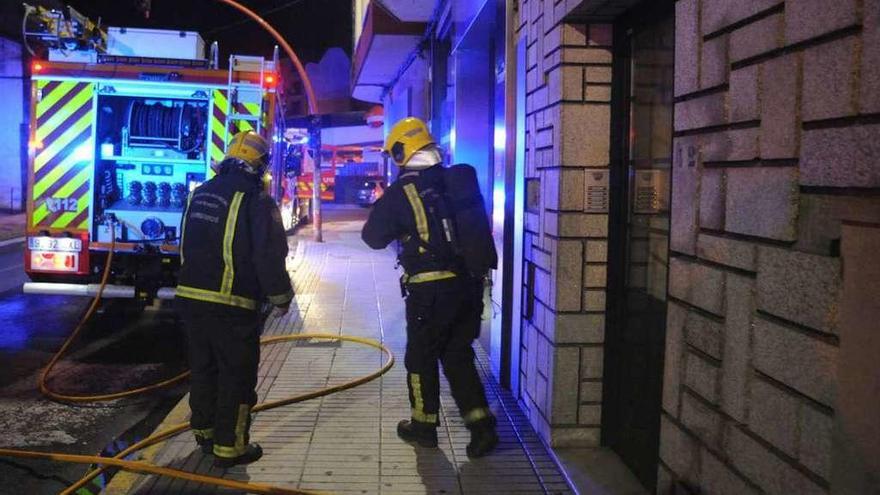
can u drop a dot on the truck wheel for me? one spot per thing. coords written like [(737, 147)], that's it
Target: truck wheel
[(304, 208)]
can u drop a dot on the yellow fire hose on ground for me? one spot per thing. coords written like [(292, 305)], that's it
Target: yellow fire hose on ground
[(146, 468)]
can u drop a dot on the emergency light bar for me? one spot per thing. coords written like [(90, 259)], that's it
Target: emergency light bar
[(157, 61)]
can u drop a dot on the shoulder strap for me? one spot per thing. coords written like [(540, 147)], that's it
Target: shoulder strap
[(421, 214), (418, 209)]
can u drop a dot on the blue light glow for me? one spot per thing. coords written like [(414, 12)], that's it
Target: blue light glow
[(498, 204), (84, 152), (16, 333), (500, 138), (14, 337), (106, 150)]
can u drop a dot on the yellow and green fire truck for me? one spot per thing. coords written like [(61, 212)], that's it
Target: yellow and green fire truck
[(121, 130)]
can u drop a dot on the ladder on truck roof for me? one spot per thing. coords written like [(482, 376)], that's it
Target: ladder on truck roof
[(244, 104)]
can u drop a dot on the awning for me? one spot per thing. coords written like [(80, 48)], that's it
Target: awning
[(410, 10), (601, 10), (383, 47)]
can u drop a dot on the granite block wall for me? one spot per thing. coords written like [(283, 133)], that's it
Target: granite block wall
[(778, 101), (568, 111)]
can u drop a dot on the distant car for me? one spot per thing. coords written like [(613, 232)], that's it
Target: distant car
[(369, 192)]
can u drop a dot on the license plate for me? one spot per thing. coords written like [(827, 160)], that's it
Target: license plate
[(62, 244)]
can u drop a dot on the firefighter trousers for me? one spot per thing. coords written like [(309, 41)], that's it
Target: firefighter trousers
[(442, 321), (224, 354)]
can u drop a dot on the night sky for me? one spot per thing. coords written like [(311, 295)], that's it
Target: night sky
[(311, 26)]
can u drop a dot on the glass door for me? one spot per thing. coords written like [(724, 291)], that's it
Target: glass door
[(640, 238)]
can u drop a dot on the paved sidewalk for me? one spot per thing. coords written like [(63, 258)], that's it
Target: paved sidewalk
[(346, 442)]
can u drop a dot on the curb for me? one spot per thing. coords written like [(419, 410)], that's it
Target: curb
[(10, 245), (124, 482)]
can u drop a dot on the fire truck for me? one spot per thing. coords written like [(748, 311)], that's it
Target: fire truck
[(125, 123)]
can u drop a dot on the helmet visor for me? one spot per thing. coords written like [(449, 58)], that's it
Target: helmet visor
[(397, 153), (263, 162)]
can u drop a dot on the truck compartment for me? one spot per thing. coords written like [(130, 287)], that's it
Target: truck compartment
[(151, 154)]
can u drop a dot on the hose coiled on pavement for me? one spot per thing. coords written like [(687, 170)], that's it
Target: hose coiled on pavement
[(93, 306)]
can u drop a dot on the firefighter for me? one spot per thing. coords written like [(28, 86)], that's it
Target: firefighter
[(233, 250), (443, 302)]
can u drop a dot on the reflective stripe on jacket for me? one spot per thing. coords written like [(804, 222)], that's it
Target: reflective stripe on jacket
[(233, 245)]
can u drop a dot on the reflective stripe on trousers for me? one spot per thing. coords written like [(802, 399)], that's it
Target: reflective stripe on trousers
[(418, 410), (475, 415), (241, 434)]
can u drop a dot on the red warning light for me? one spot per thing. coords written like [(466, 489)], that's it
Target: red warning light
[(270, 80), (37, 67)]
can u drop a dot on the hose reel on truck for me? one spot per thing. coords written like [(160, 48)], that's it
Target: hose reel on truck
[(179, 126)]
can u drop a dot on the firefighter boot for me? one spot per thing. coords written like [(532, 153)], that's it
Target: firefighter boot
[(483, 438), (423, 434), (252, 453)]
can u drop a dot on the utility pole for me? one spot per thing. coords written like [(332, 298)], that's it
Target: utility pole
[(317, 181)]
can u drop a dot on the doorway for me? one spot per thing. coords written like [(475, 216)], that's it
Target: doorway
[(639, 238)]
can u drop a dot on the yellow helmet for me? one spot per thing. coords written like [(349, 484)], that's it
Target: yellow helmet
[(249, 147), (406, 137)]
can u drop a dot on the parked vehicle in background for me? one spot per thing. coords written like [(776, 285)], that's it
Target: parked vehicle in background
[(370, 192)]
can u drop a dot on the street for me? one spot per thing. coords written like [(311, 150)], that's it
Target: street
[(11, 271), (118, 350)]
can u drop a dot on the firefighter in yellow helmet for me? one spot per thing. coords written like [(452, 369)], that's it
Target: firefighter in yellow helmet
[(409, 137), (446, 249), (232, 254)]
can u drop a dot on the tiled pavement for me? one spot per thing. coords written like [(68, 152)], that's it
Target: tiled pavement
[(346, 442)]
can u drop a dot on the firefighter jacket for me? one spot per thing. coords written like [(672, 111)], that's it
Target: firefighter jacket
[(406, 213), (233, 245)]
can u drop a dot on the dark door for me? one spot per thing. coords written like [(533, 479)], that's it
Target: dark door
[(644, 46)]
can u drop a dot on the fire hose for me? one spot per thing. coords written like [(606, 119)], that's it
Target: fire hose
[(146, 468)]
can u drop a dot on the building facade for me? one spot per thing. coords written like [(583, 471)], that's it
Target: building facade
[(13, 129), (687, 197)]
